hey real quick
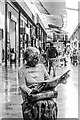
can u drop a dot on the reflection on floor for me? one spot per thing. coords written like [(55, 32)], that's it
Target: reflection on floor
[(10, 98)]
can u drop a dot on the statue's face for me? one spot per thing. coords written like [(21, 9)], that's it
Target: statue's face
[(33, 61), (32, 56)]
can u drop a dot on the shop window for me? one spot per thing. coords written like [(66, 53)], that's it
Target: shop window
[(23, 35), (12, 31)]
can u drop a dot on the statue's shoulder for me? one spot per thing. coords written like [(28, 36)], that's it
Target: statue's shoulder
[(22, 67), (40, 65)]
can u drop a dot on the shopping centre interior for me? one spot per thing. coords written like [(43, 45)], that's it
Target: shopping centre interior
[(36, 23)]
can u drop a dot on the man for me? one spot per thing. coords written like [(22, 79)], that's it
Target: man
[(51, 54)]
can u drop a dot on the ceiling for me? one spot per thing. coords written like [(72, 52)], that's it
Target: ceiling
[(53, 12)]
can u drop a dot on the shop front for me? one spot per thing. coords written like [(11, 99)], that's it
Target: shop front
[(41, 37), (19, 32), (27, 35), (11, 33), (24, 33), (27, 29)]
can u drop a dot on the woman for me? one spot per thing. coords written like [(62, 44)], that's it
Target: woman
[(33, 72)]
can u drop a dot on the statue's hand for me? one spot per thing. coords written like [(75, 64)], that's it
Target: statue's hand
[(34, 91), (64, 79)]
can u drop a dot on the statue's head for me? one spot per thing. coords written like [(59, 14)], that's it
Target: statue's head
[(31, 55)]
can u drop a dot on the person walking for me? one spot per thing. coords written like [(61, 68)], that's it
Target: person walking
[(51, 55)]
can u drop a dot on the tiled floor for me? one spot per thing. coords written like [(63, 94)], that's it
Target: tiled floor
[(10, 98), (68, 95)]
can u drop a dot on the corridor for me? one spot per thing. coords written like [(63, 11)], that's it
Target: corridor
[(38, 23)]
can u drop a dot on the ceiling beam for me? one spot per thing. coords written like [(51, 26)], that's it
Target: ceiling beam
[(72, 9), (44, 8)]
